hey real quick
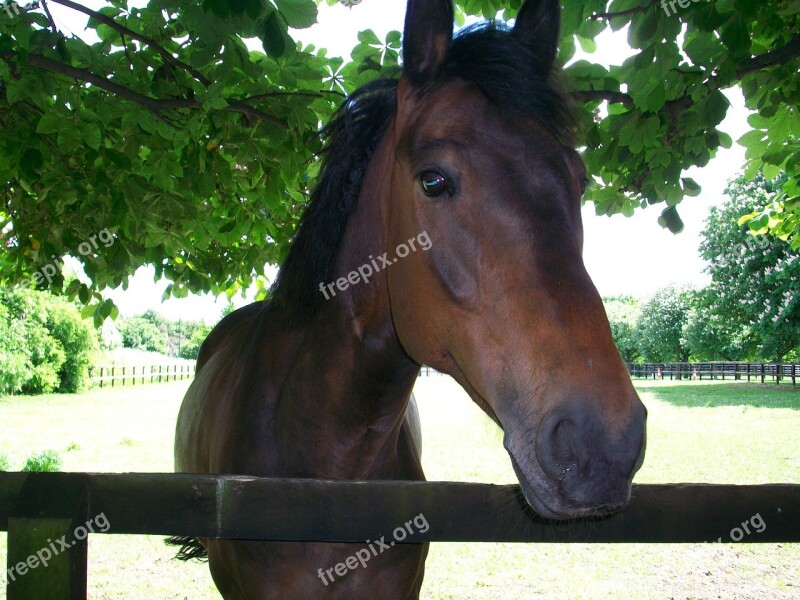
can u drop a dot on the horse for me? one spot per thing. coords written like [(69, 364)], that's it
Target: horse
[(445, 230)]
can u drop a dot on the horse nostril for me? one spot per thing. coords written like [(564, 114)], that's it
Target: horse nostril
[(556, 449)]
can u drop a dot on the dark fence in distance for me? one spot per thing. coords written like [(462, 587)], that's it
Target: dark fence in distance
[(38, 507), (111, 375), (735, 371)]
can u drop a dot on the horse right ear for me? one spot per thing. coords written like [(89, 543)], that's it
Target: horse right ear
[(427, 37)]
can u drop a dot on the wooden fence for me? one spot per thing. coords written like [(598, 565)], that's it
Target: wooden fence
[(426, 371), (734, 371), (111, 375), (36, 508)]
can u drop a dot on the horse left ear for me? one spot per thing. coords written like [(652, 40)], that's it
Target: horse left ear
[(427, 36), (538, 26)]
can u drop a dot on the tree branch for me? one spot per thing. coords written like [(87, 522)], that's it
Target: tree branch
[(151, 104), (775, 57), (772, 58), (123, 31), (49, 16)]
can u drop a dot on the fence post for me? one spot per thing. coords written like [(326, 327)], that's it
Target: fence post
[(113, 377), (748, 372), (159, 373), (794, 371), (134, 375), (65, 574), (762, 373), (101, 377)]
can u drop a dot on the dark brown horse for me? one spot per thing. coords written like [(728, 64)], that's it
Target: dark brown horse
[(459, 188)]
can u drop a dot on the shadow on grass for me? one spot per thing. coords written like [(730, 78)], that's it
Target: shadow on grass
[(710, 395)]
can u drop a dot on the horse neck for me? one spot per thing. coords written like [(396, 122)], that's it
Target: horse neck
[(349, 384)]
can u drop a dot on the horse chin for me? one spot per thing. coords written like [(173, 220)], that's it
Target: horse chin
[(532, 497), (554, 509)]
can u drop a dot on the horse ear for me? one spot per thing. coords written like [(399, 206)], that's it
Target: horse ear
[(538, 26), (427, 37)]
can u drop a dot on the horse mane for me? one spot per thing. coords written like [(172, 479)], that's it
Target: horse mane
[(508, 73)]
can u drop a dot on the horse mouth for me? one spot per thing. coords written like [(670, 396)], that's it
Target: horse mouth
[(563, 511)]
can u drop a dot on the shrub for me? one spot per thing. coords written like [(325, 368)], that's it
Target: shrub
[(78, 340), (141, 334), (14, 353), (4, 464), (44, 462), (191, 347), (47, 358)]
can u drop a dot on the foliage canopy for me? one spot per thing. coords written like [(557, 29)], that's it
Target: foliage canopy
[(161, 127)]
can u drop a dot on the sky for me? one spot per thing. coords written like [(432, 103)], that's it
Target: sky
[(623, 255)]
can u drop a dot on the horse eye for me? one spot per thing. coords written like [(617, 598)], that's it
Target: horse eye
[(435, 184)]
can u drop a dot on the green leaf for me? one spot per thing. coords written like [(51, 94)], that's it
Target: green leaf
[(272, 37), (368, 37), (656, 98), (92, 135), (670, 219), (690, 186), (299, 14), (735, 35), (50, 123)]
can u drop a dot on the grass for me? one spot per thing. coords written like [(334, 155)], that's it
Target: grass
[(700, 431)]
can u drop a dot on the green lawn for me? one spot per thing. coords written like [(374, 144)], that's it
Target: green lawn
[(704, 432)]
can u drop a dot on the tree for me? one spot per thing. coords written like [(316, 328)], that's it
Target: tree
[(709, 336), (755, 278), (661, 324), (141, 334), (623, 313), (168, 142), (191, 347)]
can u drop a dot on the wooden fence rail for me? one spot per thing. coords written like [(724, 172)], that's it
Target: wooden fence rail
[(735, 371), (38, 507), (111, 375)]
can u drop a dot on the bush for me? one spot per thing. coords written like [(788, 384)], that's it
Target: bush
[(141, 334), (14, 353), (44, 462), (4, 464), (44, 344), (191, 347), (47, 358), (78, 340)]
